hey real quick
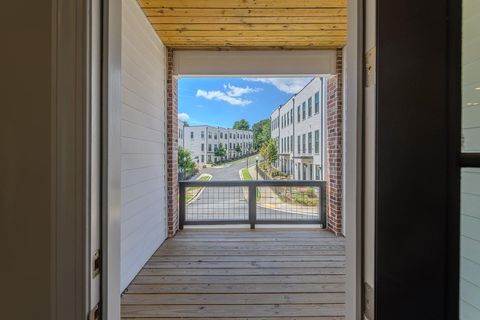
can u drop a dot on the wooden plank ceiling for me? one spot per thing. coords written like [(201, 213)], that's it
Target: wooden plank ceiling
[(248, 24)]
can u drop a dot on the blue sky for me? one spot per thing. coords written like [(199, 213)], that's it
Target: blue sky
[(222, 101)]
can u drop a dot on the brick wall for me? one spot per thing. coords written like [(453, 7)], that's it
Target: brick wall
[(172, 147), (335, 147)]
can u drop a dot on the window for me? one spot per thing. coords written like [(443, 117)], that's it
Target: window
[(215, 148), (230, 145), (209, 135), (298, 144), (304, 149), (288, 144), (317, 172), (298, 114), (291, 143), (317, 102), (209, 158), (202, 134), (291, 116), (191, 135), (209, 147), (215, 136), (221, 135), (230, 135), (304, 110), (309, 142), (317, 141), (203, 147), (310, 106), (203, 158)]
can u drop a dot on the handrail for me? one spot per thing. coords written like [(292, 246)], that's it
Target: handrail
[(251, 186), (257, 183)]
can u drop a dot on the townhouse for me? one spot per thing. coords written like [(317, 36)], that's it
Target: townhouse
[(298, 127), (204, 141)]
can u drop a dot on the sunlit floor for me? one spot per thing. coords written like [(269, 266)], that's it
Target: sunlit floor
[(242, 274)]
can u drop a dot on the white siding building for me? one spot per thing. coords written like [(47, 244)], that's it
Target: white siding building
[(181, 124), (203, 141), (298, 127)]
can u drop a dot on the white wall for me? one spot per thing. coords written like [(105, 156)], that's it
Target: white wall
[(254, 63), (470, 198), (143, 143)]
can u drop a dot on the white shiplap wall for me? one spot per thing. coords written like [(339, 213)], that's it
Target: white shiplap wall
[(143, 142), (470, 201)]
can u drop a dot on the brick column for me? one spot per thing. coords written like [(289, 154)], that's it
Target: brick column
[(335, 147), (172, 147)]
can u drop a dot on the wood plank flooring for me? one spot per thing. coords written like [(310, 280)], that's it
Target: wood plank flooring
[(242, 274)]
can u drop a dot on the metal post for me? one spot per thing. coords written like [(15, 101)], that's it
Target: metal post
[(252, 205), (256, 169), (182, 205), (323, 204)]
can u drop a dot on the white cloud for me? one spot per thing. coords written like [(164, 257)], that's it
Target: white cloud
[(287, 85), (234, 91), (222, 96), (183, 116)]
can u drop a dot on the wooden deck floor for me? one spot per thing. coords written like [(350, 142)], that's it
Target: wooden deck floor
[(242, 274)]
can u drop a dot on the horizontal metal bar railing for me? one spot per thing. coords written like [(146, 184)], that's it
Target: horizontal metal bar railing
[(252, 202)]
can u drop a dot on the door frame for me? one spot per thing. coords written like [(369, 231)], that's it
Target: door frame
[(71, 26), (111, 165), (71, 261)]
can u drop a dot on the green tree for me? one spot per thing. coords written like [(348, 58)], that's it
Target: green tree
[(221, 151), (261, 133), (238, 149), (269, 151), (241, 125), (185, 161)]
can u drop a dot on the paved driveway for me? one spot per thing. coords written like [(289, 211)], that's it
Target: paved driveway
[(229, 171)]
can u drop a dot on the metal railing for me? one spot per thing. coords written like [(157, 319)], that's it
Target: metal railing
[(252, 202)]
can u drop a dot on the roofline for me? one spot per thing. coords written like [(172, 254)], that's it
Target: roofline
[(293, 96), (205, 125)]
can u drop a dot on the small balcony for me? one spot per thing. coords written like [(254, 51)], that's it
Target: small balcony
[(249, 269)]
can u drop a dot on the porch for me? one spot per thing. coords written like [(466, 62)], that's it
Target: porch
[(222, 273)]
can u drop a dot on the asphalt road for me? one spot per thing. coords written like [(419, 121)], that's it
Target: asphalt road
[(229, 203), (230, 171)]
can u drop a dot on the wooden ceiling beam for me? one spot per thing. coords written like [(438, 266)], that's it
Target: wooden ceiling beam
[(247, 20), (187, 40), (250, 33), (243, 4), (282, 12), (253, 27)]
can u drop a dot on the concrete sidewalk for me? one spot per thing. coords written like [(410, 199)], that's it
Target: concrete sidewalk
[(270, 200)]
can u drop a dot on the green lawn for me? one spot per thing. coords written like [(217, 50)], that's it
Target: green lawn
[(192, 192), (247, 176)]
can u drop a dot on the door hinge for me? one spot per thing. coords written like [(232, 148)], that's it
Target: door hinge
[(95, 313), (97, 263)]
